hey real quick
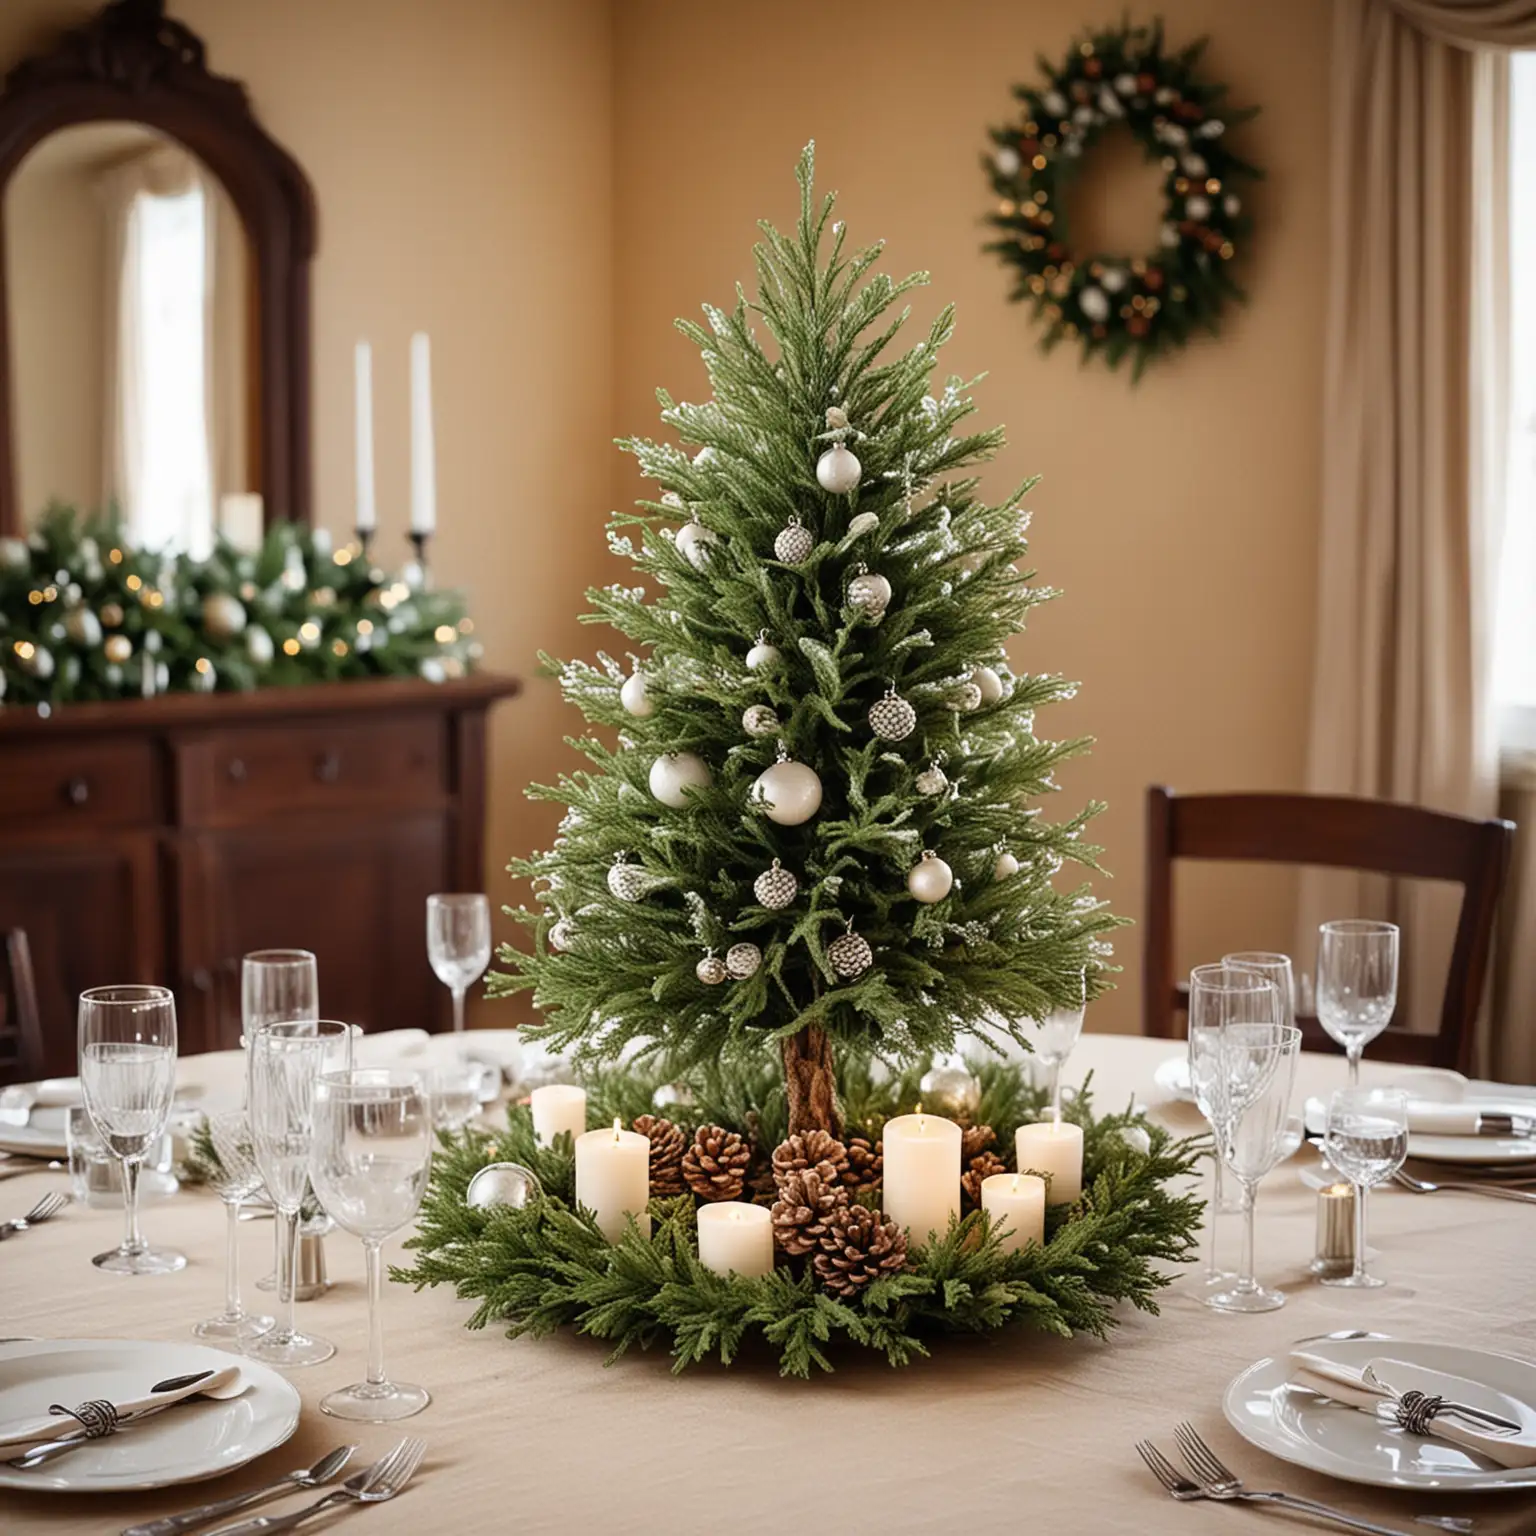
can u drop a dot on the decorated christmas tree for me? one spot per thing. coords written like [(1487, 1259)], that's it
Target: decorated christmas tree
[(810, 824)]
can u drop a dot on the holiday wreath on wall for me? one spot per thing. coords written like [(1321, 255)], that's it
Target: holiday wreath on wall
[(1118, 307)]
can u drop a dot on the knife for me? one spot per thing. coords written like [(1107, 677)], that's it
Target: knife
[(1479, 1418), (76, 1438)]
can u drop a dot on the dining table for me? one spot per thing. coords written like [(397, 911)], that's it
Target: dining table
[(1013, 1432)]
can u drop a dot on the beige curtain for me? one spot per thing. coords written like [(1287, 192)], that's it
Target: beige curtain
[(226, 355), (1415, 413)]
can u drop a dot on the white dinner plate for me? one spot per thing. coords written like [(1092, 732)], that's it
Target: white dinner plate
[(41, 1136), (1172, 1076), (1468, 1151), (1343, 1442), (182, 1445)]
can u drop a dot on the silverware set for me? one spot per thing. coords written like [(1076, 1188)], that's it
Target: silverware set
[(324, 1471), (1213, 1479), (46, 1209)]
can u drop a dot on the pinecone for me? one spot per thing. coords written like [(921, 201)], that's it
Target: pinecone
[(811, 1149), (667, 1147), (806, 1203), (859, 1246), (715, 1166), (974, 1140), (865, 1163), (982, 1166)]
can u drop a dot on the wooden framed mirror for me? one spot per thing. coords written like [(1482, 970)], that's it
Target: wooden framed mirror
[(155, 245)]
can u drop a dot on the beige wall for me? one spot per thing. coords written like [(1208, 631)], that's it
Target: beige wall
[(1179, 516)]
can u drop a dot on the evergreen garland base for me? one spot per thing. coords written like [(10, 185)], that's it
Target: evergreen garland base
[(546, 1266)]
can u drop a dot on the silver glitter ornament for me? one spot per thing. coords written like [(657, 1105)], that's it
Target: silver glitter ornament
[(760, 720), (932, 780), (794, 543), (742, 961), (562, 936), (507, 1184), (710, 970), (775, 887), (892, 718), (965, 697), (870, 594), (629, 882), (948, 1087), (850, 955)]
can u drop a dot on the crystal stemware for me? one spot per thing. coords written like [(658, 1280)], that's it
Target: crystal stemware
[(277, 985), (458, 943), (237, 1179), (286, 1061), (1356, 983), (370, 1158), (1367, 1140), (1258, 1066), (454, 1094), (1055, 1037), (127, 1079)]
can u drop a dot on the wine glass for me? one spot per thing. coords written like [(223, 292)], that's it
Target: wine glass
[(127, 1079), (458, 944), (1356, 983), (1258, 1065), (1220, 995), (1055, 1036), (237, 1179), (454, 1093), (286, 1061), (370, 1158), (277, 985), (1367, 1140), (1274, 968)]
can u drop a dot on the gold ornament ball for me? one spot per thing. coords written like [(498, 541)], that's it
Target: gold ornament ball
[(111, 615), (117, 649)]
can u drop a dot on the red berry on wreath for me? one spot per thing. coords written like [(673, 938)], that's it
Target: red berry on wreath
[(1136, 325), (1146, 83), (1056, 251), (1029, 148), (1093, 69), (1153, 280)]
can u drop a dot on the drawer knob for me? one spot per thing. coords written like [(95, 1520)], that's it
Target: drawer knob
[(328, 767), (236, 770), (77, 791)]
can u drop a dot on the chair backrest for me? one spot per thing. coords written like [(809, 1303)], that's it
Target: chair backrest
[(1342, 832), (21, 1025)]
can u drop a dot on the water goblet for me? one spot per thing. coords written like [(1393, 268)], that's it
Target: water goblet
[(458, 944), (1367, 1140), (1356, 984), (237, 1179), (369, 1162), (454, 1094), (1258, 1063), (286, 1061), (1055, 1036), (127, 1078)]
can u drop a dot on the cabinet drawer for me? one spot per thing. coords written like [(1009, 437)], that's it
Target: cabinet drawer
[(91, 783), (244, 775)]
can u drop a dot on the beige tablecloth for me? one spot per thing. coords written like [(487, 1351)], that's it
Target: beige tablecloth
[(1026, 1434)]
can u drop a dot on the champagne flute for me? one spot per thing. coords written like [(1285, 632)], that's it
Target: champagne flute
[(458, 944), (1219, 996), (369, 1161), (1367, 1140), (1356, 983), (277, 985), (238, 1178), (1055, 1036), (1258, 1063), (127, 1079), (1275, 968), (286, 1061)]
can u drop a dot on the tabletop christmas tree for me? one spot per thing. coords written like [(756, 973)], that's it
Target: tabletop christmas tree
[(816, 830)]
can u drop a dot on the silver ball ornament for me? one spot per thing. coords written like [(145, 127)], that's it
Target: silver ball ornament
[(629, 882), (760, 720), (1004, 866), (948, 1087), (794, 543), (39, 663), (869, 593), (710, 970), (1006, 158), (508, 1184), (562, 936), (838, 471), (695, 543), (850, 955), (83, 627), (892, 718), (930, 879), (224, 615), (635, 697), (673, 774), (259, 646), (789, 792), (742, 961), (989, 683), (776, 887), (932, 781), (1094, 303)]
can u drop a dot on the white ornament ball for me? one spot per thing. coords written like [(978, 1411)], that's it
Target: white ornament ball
[(694, 543), (789, 792), (794, 542), (930, 879), (223, 615), (932, 781), (162, 676), (1112, 279), (83, 627), (870, 593), (1193, 165), (1094, 303), (1212, 128), (14, 554), (502, 1184), (1168, 237), (763, 657), (1005, 866), (39, 663), (258, 646), (864, 522), (634, 696), (1126, 84), (776, 887), (1054, 103), (990, 684), (1231, 205), (760, 720), (1006, 158), (562, 936), (710, 970), (1083, 116), (1197, 208), (838, 471), (1137, 1139), (1109, 103), (118, 648), (742, 961), (673, 774), (850, 955)]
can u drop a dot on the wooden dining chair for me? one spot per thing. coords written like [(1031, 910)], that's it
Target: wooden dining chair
[(1343, 833), (21, 1025)]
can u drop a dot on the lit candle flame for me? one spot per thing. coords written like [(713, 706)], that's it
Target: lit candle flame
[(1016, 1179), (921, 1123), (618, 1128)]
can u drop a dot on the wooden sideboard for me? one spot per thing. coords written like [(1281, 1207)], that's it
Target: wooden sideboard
[(160, 840)]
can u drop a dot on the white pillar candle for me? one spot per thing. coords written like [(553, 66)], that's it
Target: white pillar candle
[(558, 1107), (1016, 1204), (367, 511), (734, 1236), (240, 520), (922, 1173), (423, 452), (1053, 1148), (613, 1179)]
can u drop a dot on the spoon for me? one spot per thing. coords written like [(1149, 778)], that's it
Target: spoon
[(316, 1476)]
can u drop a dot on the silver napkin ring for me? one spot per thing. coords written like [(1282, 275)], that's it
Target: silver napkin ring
[(1415, 1409), (98, 1418)]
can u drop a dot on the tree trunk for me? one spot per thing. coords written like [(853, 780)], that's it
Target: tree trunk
[(810, 1083)]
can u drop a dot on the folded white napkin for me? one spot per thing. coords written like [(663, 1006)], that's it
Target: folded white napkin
[(19, 1436), (388, 1046), (1346, 1384), (1433, 1117), (51, 1093)]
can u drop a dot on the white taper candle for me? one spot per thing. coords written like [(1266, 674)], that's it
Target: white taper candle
[(367, 510), (423, 453)]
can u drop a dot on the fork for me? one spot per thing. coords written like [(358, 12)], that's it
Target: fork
[(1184, 1491), (45, 1210), (1218, 1478), (383, 1480), (1494, 1191)]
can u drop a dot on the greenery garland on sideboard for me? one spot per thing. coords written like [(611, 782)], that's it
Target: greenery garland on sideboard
[(85, 615)]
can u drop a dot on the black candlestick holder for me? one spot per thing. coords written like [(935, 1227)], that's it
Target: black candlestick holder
[(419, 544), (364, 537)]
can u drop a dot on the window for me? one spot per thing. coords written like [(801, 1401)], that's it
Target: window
[(1515, 631)]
